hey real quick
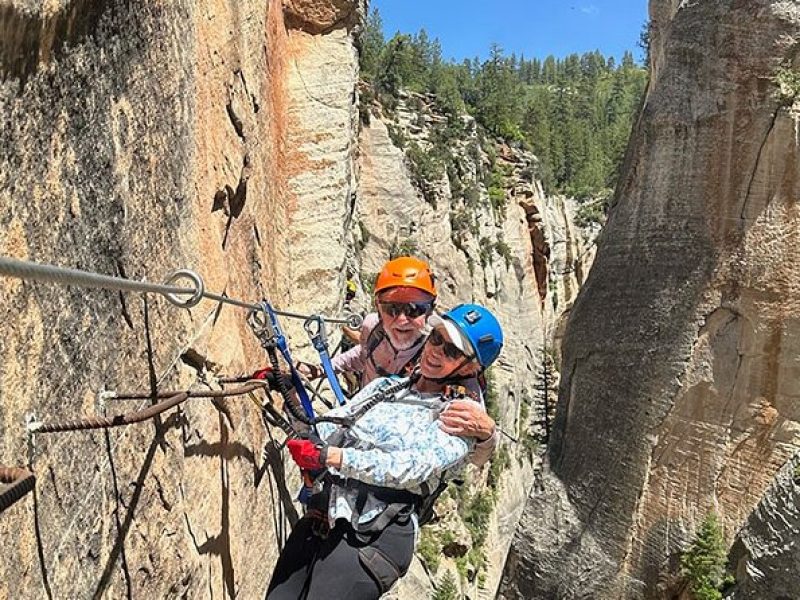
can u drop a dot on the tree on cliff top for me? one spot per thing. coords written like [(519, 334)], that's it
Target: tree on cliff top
[(574, 113)]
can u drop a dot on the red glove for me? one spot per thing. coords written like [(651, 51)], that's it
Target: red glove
[(262, 373), (308, 455)]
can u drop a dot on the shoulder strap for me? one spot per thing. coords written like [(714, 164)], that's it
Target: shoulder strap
[(375, 338)]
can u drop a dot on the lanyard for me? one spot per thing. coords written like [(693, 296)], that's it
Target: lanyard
[(315, 328)]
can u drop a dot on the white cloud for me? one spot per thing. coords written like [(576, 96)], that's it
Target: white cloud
[(589, 9)]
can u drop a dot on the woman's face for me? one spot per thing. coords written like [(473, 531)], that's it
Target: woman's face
[(440, 357), (403, 311)]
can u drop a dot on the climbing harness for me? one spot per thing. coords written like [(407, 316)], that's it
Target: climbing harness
[(20, 482), (315, 328), (378, 335), (394, 503), (28, 270)]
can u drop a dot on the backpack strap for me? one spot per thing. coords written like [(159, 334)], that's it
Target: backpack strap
[(376, 337)]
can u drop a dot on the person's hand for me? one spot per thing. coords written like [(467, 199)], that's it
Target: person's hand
[(467, 418), (308, 370), (309, 454)]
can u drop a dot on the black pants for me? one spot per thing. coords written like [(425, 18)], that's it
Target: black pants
[(343, 564)]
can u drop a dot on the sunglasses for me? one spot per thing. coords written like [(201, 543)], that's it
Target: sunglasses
[(410, 309), (449, 348)]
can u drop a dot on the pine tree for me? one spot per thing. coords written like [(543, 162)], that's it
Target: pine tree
[(574, 113), (372, 43), (448, 588), (703, 563)]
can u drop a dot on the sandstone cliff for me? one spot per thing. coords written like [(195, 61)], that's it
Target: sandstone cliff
[(222, 136), (765, 554), (680, 375), (475, 209), (140, 138)]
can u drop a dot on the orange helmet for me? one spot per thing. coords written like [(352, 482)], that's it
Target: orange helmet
[(406, 271)]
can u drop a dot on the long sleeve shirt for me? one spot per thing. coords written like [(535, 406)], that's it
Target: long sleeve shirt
[(400, 446), (384, 355), (357, 359)]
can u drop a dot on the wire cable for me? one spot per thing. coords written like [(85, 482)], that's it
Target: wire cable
[(31, 271)]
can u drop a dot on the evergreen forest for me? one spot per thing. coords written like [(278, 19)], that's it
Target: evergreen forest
[(575, 113)]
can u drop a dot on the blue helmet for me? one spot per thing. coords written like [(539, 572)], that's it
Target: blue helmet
[(481, 328)]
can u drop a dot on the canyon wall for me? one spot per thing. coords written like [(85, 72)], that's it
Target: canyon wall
[(223, 136), (680, 374), (140, 138)]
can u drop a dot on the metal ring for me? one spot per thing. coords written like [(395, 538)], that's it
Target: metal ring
[(308, 327), (197, 294), (355, 321), (258, 320)]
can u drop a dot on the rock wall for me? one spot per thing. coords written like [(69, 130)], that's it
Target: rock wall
[(765, 553), (680, 371), (140, 138), (393, 215)]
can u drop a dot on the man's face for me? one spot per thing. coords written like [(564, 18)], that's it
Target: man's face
[(440, 357), (403, 311)]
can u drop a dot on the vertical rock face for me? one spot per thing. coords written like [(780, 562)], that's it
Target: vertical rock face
[(495, 253), (680, 372), (765, 554), (139, 138)]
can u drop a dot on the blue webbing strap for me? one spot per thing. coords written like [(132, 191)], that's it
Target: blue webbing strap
[(280, 342), (321, 346)]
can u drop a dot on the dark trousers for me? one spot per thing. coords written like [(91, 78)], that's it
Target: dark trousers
[(342, 564)]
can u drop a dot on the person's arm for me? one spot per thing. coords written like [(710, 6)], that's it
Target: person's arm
[(353, 359), (482, 451), (403, 469), (469, 419), (349, 361)]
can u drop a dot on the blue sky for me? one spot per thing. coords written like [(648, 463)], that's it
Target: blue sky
[(535, 28)]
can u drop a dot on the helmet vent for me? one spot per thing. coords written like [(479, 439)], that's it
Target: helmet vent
[(472, 317)]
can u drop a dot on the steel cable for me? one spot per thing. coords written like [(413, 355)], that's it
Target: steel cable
[(31, 271), (251, 386), (21, 483), (89, 423)]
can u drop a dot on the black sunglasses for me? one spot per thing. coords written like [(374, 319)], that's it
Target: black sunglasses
[(410, 309), (449, 348)]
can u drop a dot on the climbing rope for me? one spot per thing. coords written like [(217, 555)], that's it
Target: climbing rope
[(28, 270), (20, 482)]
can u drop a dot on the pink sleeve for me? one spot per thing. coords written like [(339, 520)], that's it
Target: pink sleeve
[(482, 451), (353, 359)]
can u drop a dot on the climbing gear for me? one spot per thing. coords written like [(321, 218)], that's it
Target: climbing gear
[(310, 453), (476, 326), (169, 399), (406, 271), (450, 349), (378, 335), (410, 309), (273, 378), (316, 370), (20, 482), (265, 326), (315, 328), (28, 270)]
